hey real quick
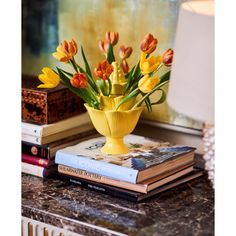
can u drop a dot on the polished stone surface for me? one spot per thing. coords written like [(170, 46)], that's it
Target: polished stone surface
[(184, 210)]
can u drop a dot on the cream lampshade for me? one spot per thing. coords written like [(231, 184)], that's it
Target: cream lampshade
[(191, 86)]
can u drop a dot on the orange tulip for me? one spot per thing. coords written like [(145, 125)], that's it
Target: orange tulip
[(125, 52), (79, 80), (112, 37), (66, 51), (168, 57), (149, 44), (103, 70)]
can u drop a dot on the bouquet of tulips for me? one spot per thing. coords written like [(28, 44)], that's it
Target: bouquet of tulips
[(111, 78)]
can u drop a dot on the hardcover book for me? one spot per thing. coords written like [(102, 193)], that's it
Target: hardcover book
[(39, 171), (48, 151), (146, 159), (41, 140), (128, 194), (143, 187), (36, 160), (56, 127), (46, 106)]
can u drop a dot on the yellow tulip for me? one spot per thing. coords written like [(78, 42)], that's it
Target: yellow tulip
[(150, 64), (49, 78), (146, 83)]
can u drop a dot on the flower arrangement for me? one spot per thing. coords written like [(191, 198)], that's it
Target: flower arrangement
[(115, 84)]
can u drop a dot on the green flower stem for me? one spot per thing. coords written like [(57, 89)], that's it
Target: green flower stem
[(158, 68), (73, 63), (133, 94), (105, 88), (148, 94), (93, 93)]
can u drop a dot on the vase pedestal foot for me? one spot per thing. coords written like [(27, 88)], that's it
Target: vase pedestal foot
[(114, 146)]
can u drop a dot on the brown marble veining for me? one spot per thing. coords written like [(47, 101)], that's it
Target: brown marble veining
[(184, 210)]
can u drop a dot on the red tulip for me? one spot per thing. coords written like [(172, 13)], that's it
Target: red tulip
[(125, 66), (149, 44), (168, 57), (125, 52)]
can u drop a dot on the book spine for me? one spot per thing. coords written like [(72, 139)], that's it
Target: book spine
[(106, 189), (60, 126), (97, 167), (70, 171), (32, 169), (39, 171), (32, 129), (31, 139), (34, 160), (35, 150)]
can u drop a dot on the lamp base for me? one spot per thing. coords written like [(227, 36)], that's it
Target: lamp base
[(209, 150)]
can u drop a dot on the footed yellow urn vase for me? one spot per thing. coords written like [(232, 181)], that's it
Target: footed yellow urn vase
[(114, 125)]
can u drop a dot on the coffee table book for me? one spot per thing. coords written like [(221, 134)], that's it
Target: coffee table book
[(144, 187), (128, 194), (146, 159)]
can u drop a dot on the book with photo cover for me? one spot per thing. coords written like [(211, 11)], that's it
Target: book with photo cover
[(146, 158)]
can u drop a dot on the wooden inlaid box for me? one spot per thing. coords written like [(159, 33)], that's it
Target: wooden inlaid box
[(46, 106)]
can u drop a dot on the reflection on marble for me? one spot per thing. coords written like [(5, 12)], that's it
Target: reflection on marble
[(184, 210)]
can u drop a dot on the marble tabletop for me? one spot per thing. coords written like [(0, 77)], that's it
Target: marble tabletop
[(184, 210)]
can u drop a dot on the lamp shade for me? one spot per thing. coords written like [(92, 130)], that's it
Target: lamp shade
[(191, 86)]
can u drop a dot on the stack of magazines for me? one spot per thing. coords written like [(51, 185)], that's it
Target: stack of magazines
[(149, 168)]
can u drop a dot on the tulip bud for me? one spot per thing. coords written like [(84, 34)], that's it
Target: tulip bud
[(125, 52), (79, 80), (103, 46), (149, 43), (168, 57), (112, 37), (125, 66)]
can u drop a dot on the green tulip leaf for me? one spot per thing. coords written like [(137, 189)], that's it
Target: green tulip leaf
[(87, 67)]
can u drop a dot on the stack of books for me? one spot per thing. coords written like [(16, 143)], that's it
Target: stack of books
[(40, 142), (43, 131), (149, 168)]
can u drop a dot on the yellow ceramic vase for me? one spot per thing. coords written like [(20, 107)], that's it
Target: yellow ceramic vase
[(114, 125)]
